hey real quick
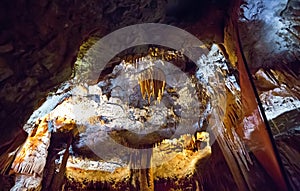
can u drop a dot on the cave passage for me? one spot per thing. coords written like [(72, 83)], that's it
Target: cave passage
[(142, 126)]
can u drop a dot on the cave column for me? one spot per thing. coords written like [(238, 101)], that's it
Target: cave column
[(141, 170)]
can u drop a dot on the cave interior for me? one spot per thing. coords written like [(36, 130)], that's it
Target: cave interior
[(149, 95)]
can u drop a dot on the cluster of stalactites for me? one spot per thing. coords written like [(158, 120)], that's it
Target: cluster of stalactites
[(152, 83)]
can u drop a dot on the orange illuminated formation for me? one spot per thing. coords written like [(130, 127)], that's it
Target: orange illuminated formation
[(152, 82)]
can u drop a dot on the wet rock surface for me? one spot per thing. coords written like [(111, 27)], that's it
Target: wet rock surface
[(273, 55)]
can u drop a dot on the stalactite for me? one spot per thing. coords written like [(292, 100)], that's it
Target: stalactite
[(152, 83)]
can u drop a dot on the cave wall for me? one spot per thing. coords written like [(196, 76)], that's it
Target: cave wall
[(39, 41)]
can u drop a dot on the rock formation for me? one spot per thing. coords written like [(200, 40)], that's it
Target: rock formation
[(40, 42)]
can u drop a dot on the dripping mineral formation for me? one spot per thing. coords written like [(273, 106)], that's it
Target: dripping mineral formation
[(152, 83)]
